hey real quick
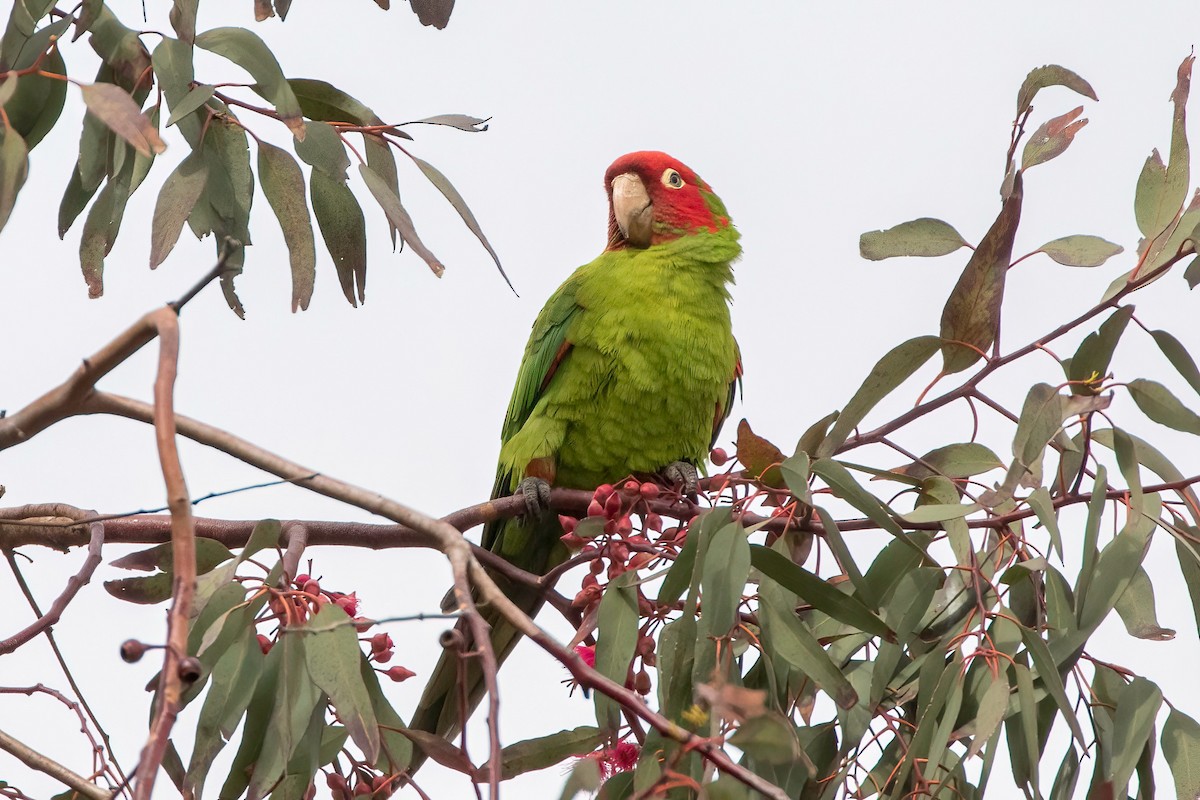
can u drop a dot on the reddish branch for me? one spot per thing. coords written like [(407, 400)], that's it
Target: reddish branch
[(74, 583)]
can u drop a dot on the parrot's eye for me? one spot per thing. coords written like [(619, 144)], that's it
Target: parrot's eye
[(672, 179)]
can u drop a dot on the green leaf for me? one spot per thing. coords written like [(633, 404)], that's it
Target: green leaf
[(1042, 504), (837, 545), (1067, 777), (544, 751), (768, 739), (251, 53), (1137, 707), (971, 316), (993, 707), (113, 106), (761, 458), (255, 731), (38, 101), (295, 699), (1154, 205), (324, 150), (395, 749), (1052, 138), (383, 163), (681, 574), (1041, 417), (199, 95), (1081, 250), (179, 194), (460, 205), (389, 201), (1136, 607), (1090, 363), (343, 228), (1181, 748), (1118, 562), (787, 636), (1157, 403), (919, 237), (231, 686), (1048, 673), (324, 101), (264, 536), (953, 461), (617, 635), (1179, 357), (845, 487), (897, 366), (101, 227), (795, 473), (940, 512), (332, 655), (440, 750), (816, 592), (14, 168), (1050, 75), (283, 184), (723, 577)]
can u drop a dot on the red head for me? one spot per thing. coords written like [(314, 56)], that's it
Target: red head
[(654, 198)]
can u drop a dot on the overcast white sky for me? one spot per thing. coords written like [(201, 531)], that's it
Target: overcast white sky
[(814, 122)]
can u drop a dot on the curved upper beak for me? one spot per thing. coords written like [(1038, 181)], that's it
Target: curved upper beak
[(632, 209)]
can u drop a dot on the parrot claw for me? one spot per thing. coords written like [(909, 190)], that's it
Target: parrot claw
[(684, 474), (537, 496)]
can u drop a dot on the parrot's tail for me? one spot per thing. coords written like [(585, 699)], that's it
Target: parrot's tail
[(456, 685)]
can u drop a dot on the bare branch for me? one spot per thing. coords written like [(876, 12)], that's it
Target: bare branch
[(35, 760), (74, 584)]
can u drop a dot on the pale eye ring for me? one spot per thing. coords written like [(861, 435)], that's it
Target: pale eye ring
[(672, 179)]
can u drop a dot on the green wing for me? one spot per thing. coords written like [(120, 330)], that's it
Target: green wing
[(548, 345)]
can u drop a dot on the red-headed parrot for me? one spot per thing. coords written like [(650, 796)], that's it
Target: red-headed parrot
[(630, 370)]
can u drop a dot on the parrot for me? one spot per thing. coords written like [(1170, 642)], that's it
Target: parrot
[(631, 369)]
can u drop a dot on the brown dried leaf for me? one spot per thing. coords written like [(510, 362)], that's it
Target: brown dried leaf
[(113, 106)]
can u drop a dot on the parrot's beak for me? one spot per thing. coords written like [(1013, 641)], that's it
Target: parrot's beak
[(632, 209)]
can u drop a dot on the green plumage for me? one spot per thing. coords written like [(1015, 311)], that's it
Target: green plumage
[(629, 368)]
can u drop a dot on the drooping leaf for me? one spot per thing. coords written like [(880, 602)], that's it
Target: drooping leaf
[(896, 366), (251, 53), (389, 201), (179, 194), (323, 101), (1050, 75), (1042, 504), (1159, 404), (1089, 365), (971, 316), (617, 633), (1081, 250), (113, 106), (332, 655), (1136, 608), (440, 751), (1052, 138), (283, 184), (295, 700), (395, 749), (38, 100), (460, 205), (1181, 748), (14, 168), (1179, 357), (791, 640), (993, 707), (813, 590), (101, 227), (918, 237), (1137, 707), (343, 228)]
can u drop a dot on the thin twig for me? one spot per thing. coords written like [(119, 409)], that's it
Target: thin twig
[(74, 584)]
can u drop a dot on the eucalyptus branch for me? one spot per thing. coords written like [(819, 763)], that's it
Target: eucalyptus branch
[(35, 760)]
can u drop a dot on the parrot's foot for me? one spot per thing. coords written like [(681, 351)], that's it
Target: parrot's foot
[(537, 496), (685, 474)]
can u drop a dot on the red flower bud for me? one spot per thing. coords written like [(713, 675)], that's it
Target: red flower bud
[(399, 673), (587, 654), (595, 508), (625, 525), (265, 644), (649, 491), (362, 624), (652, 522), (383, 656), (603, 491), (568, 523), (381, 642), (302, 579), (572, 541), (312, 587), (718, 457), (632, 486), (612, 506)]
